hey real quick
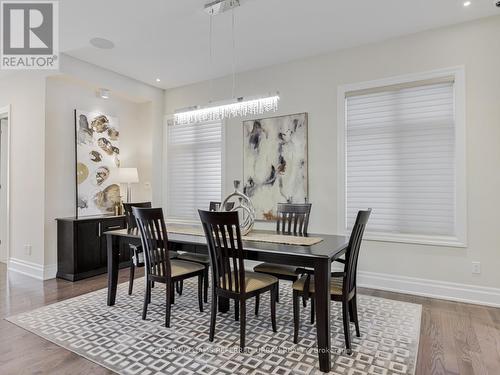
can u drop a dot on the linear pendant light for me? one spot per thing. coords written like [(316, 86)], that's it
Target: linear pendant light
[(219, 111), (236, 107)]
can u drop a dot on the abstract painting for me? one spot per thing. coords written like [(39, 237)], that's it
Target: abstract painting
[(97, 157), (275, 162)]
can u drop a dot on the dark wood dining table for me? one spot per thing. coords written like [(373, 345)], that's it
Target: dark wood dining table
[(318, 256)]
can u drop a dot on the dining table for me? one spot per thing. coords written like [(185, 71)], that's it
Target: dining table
[(317, 256)]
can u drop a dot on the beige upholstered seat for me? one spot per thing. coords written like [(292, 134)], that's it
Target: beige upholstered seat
[(180, 267), (253, 281), (335, 285), (278, 269), (192, 257)]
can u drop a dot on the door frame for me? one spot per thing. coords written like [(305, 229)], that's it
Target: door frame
[(5, 111)]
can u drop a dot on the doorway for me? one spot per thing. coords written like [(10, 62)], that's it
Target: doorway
[(4, 183)]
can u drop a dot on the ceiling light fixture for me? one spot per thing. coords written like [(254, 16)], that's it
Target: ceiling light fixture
[(237, 106), (220, 6), (102, 43), (103, 93), (228, 109), (158, 80), (467, 3)]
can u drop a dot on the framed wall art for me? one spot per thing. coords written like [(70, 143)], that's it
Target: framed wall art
[(275, 162), (97, 157)]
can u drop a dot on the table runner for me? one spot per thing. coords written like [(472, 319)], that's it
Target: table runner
[(252, 236)]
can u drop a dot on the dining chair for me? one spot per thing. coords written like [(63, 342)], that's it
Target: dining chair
[(229, 277), (342, 284), (202, 258), (159, 267), (137, 253), (292, 219)]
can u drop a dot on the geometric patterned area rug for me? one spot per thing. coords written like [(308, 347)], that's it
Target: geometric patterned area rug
[(117, 338)]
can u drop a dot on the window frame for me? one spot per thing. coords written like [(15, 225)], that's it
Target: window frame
[(167, 121), (460, 238)]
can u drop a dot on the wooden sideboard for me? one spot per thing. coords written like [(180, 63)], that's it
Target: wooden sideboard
[(81, 246)]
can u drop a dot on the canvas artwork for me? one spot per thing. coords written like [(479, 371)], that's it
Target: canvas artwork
[(275, 162), (97, 156)]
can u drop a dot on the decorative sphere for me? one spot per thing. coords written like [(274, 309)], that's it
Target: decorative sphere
[(243, 205)]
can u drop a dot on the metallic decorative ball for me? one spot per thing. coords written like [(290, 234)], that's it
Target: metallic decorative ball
[(243, 205)]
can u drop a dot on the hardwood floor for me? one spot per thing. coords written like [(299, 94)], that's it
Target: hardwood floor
[(455, 338)]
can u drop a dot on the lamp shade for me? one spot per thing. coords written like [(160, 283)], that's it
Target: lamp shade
[(125, 176)]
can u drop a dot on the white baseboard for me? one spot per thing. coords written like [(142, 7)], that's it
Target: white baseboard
[(31, 269), (50, 271), (480, 295)]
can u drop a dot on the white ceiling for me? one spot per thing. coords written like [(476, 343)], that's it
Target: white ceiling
[(168, 39)]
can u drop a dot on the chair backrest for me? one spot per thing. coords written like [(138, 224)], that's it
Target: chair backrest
[(352, 253), (129, 215), (154, 240), (293, 218), (222, 231), (215, 206)]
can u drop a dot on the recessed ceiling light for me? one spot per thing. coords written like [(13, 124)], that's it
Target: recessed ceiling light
[(158, 80), (102, 43), (467, 3)]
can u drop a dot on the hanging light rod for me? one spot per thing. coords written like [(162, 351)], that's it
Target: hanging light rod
[(217, 111), (220, 6), (236, 107)]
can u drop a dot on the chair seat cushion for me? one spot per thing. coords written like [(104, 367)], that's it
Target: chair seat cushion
[(335, 285), (276, 269), (192, 257), (253, 281), (181, 267)]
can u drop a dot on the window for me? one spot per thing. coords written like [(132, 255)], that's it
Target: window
[(403, 157), (194, 169)]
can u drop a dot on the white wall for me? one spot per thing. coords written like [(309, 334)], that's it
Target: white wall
[(64, 94), (25, 92), (37, 197), (130, 89), (4, 173), (310, 85)]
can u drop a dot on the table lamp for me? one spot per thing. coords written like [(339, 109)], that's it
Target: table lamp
[(126, 176)]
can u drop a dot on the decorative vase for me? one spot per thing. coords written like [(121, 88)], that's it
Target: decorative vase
[(118, 208), (243, 205)]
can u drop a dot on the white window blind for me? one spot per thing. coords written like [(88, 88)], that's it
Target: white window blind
[(400, 159), (194, 168)]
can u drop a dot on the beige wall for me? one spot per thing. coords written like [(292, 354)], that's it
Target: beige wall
[(310, 85), (63, 95)]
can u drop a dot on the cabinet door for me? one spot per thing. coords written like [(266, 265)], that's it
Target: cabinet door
[(88, 246)]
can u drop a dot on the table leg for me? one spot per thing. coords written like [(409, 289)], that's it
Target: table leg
[(322, 294), (223, 304), (113, 263)]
